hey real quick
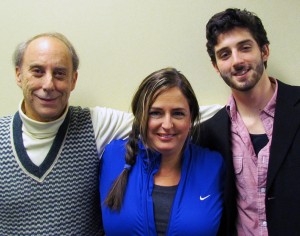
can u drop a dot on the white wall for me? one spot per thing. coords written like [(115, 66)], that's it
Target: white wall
[(122, 41)]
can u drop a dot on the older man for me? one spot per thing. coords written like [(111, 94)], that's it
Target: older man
[(49, 151)]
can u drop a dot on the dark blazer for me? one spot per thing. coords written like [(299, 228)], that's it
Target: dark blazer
[(283, 177)]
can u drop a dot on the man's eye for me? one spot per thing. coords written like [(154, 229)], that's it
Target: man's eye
[(224, 55), (246, 48), (37, 72), (60, 74)]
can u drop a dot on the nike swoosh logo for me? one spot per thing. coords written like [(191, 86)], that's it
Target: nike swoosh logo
[(203, 198)]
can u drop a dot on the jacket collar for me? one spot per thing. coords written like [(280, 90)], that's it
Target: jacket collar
[(151, 157)]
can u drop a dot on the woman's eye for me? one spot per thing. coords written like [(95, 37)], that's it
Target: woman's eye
[(178, 114), (154, 114)]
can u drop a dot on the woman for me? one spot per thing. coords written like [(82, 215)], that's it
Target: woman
[(166, 185)]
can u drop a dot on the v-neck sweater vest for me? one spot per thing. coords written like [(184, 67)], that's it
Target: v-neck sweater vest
[(61, 194)]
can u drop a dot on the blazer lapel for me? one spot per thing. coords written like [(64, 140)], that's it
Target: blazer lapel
[(223, 127), (286, 123)]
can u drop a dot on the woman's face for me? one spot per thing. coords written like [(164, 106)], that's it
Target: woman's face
[(169, 123)]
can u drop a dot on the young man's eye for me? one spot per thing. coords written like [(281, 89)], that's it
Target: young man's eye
[(246, 48), (223, 55)]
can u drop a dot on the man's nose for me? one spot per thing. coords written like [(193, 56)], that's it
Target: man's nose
[(48, 82), (237, 58)]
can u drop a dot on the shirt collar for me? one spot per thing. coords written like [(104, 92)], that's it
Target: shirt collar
[(38, 129), (269, 108)]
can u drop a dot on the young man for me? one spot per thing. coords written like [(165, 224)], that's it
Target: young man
[(257, 132)]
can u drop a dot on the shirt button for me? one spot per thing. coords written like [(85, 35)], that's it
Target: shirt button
[(264, 223), (263, 190)]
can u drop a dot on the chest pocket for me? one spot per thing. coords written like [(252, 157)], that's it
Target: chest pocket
[(239, 178)]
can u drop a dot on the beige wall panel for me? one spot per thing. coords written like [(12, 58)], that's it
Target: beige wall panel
[(122, 41)]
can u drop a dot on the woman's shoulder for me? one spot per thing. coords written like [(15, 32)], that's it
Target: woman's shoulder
[(207, 161), (115, 148), (204, 153), (117, 143)]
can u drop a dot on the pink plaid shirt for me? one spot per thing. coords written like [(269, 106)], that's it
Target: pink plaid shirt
[(251, 170)]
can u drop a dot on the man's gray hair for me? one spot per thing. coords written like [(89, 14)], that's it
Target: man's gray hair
[(21, 48)]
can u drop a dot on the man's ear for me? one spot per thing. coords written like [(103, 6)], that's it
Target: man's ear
[(216, 67), (74, 80), (265, 52), (18, 76)]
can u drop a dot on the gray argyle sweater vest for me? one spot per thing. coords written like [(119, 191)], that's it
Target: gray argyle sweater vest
[(60, 197)]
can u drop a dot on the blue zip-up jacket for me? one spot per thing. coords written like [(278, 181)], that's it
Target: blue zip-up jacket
[(197, 205)]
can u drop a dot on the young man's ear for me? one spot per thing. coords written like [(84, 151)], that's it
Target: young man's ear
[(265, 52), (216, 67)]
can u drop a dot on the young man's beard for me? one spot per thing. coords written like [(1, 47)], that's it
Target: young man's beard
[(247, 84)]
